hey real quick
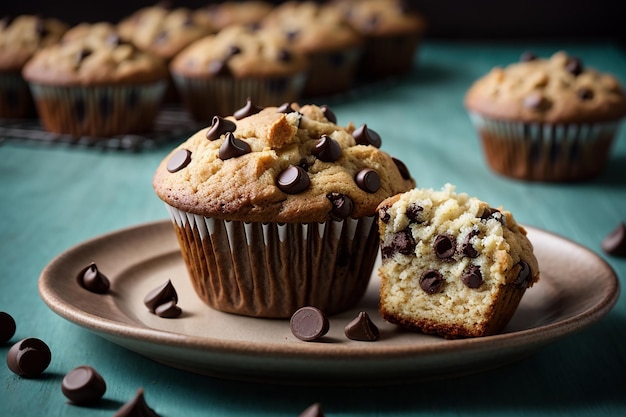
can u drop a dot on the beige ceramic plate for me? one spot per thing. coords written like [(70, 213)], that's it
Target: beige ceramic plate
[(577, 289)]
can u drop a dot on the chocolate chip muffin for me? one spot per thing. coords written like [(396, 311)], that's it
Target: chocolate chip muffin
[(93, 83), (218, 16), (20, 38), (547, 119), (451, 264), (275, 208)]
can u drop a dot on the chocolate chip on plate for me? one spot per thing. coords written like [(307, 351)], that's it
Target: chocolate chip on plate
[(179, 160), (314, 410), (367, 180), (93, 280), (29, 357), (309, 323), (362, 328), (162, 294), (83, 385), (431, 281), (233, 147), (219, 127), (136, 407), (168, 310), (615, 242), (293, 180), (7, 327)]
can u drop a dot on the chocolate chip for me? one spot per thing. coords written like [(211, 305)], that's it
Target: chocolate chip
[(328, 114), (291, 35), (285, 108), (293, 180), (114, 40), (327, 149), (615, 242), (431, 281), (365, 136), (233, 50), (6, 21), (574, 66), (233, 147), (219, 68), (492, 213), (248, 110), (83, 385), (342, 206), (536, 101), (444, 246), (402, 242), (527, 56), (40, 28), (28, 358), (161, 37), (284, 55), (362, 328), (168, 310), (472, 277), (383, 214), (309, 323), (584, 93), (160, 295), (93, 280), (368, 180), (466, 247), (7, 327), (414, 213), (523, 276), (82, 54), (371, 23), (404, 171), (219, 127), (314, 410), (179, 160), (136, 407)]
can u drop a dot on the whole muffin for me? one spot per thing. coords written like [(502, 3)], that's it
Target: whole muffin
[(323, 34), (218, 16), (275, 209), (451, 264), (215, 74), (20, 38), (548, 119), (94, 84)]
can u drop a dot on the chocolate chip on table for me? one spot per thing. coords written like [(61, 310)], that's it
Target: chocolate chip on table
[(404, 171), (179, 160), (327, 149), (523, 276), (160, 295), (527, 56), (328, 114), (368, 180), (83, 385), (314, 410), (29, 357), (136, 407), (219, 127), (342, 206), (431, 281), (168, 310), (248, 110), (366, 136), (615, 242), (362, 328), (444, 246), (472, 277), (7, 327), (293, 180), (233, 147), (93, 280), (309, 323)]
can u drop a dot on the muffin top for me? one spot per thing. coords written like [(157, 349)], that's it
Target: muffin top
[(281, 164), (161, 30), (239, 51), (21, 37), (93, 55), (217, 16), (312, 27), (382, 17), (560, 89)]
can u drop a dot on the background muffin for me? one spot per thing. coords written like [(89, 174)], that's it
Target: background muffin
[(217, 16), (20, 38), (274, 209), (547, 119)]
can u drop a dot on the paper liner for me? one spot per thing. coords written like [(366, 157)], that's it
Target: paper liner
[(272, 269), (222, 96), (543, 151), (331, 72), (16, 101), (98, 110)]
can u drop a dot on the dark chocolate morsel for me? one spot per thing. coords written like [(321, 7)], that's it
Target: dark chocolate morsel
[(248, 110), (366, 136), (342, 206), (114, 40), (527, 56), (28, 358), (404, 171), (314, 410), (402, 242), (293, 180), (40, 27), (136, 407), (83, 385), (328, 114), (414, 212), (160, 295), (82, 54), (466, 247), (168, 310), (327, 149), (285, 108), (309, 323), (219, 127), (362, 328), (233, 50), (179, 160), (233, 147), (493, 213), (615, 242), (536, 101), (574, 66), (444, 246), (90, 278), (431, 281), (368, 180), (219, 68), (383, 214), (7, 327), (523, 276), (584, 93), (284, 55), (472, 277)]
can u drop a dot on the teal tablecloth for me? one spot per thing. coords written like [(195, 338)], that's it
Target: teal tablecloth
[(54, 197)]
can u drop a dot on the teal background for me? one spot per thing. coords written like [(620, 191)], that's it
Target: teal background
[(53, 197)]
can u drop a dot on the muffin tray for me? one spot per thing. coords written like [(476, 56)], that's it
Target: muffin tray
[(576, 289)]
